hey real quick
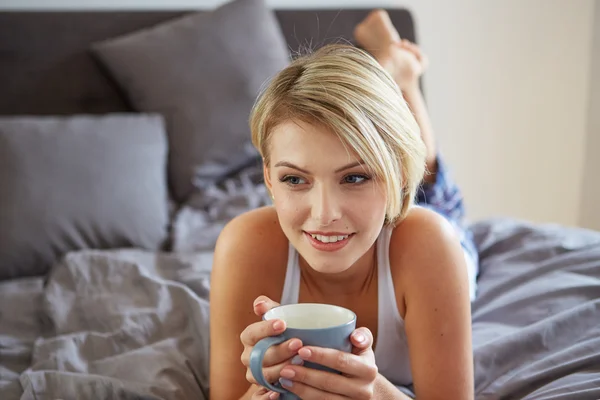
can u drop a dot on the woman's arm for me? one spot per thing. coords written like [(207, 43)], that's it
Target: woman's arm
[(433, 278), (385, 390), (246, 265)]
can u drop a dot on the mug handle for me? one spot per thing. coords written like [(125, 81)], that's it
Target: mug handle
[(256, 361)]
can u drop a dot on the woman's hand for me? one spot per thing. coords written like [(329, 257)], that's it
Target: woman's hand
[(277, 356), (358, 369)]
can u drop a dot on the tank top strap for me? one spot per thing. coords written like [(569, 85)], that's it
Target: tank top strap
[(387, 293), (291, 285), (388, 316)]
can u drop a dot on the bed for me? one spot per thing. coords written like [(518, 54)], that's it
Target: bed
[(108, 221)]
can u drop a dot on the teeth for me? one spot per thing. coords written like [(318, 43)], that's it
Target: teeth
[(329, 239)]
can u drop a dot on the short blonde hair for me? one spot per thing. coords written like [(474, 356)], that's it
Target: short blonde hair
[(344, 89)]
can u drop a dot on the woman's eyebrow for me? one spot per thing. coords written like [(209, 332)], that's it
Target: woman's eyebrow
[(351, 165), (345, 167), (290, 165)]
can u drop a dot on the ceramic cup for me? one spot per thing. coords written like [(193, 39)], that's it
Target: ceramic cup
[(321, 325)]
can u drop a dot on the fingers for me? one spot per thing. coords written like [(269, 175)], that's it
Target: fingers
[(346, 363), (310, 383), (276, 357), (276, 354), (260, 330), (262, 304), (362, 339), (264, 394), (306, 392), (285, 351), (271, 373)]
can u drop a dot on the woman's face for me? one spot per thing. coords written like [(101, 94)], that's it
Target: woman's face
[(329, 204)]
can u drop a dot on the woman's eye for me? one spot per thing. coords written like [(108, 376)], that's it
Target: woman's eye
[(355, 178), (292, 180)]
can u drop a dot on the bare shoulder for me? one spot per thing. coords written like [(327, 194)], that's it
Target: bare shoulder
[(432, 289), (424, 252), (254, 230), (252, 247), (249, 261), (422, 231)]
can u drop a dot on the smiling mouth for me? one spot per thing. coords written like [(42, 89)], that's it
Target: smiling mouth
[(328, 242), (328, 238)]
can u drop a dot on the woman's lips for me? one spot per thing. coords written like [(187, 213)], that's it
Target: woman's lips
[(318, 240)]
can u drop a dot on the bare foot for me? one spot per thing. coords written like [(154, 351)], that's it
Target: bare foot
[(376, 31), (409, 64), (401, 58)]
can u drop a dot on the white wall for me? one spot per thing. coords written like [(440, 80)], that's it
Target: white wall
[(507, 89), (508, 93), (590, 201)]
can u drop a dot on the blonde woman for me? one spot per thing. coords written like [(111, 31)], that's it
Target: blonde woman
[(347, 148)]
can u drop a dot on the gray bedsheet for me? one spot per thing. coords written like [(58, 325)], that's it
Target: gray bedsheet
[(536, 321), (130, 324), (21, 322), (122, 324)]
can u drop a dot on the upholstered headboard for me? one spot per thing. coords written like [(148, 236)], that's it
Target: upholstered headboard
[(46, 67)]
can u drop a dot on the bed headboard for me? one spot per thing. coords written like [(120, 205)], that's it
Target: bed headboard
[(46, 68)]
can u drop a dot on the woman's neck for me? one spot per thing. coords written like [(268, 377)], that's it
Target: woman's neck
[(354, 281)]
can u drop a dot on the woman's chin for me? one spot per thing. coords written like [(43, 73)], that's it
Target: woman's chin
[(326, 265)]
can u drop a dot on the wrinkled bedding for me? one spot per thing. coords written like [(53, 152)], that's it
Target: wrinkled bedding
[(130, 324), (122, 325), (21, 322), (536, 321)]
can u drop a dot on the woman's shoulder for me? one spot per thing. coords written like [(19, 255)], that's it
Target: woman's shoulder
[(424, 248), (424, 228), (253, 248), (262, 221)]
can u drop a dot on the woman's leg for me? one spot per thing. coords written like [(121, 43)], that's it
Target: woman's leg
[(406, 63)]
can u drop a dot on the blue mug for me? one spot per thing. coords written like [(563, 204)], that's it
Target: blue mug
[(322, 325)]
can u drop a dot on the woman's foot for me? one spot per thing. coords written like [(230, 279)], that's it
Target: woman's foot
[(402, 59), (406, 63), (376, 31)]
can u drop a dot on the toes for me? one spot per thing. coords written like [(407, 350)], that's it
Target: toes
[(420, 55), (424, 61), (416, 50)]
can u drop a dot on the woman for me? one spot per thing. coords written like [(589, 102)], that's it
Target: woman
[(344, 159)]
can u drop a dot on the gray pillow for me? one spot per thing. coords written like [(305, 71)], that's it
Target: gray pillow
[(79, 182), (203, 72)]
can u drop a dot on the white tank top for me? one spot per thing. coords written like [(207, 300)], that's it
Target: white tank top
[(391, 352)]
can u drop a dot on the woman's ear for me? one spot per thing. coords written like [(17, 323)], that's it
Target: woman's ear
[(267, 178)]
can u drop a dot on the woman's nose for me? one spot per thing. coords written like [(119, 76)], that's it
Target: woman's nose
[(325, 206)]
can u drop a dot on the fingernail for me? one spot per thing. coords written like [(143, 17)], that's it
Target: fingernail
[(273, 395), (258, 303), (285, 382), (278, 325), (304, 353), (287, 373), (359, 337), (297, 360), (295, 345)]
